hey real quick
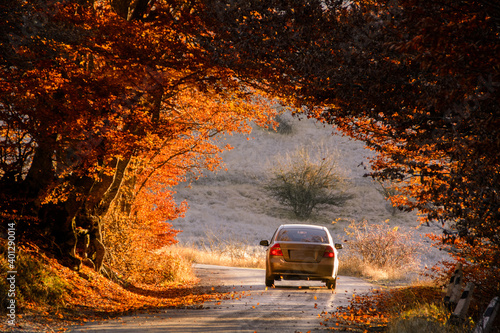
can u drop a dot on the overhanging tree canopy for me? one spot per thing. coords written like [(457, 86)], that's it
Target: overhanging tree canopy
[(98, 108), (417, 81), (85, 92)]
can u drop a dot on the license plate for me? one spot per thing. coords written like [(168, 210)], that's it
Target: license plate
[(302, 255)]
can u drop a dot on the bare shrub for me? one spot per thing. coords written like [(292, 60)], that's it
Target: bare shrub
[(384, 252), (304, 182), (350, 265)]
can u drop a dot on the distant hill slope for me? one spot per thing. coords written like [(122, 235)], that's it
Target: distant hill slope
[(232, 204)]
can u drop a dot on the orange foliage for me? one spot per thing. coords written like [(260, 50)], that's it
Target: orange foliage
[(417, 92), (480, 265), (371, 312), (109, 112)]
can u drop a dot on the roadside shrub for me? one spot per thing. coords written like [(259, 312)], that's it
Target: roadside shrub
[(161, 268), (382, 252), (204, 256), (304, 182)]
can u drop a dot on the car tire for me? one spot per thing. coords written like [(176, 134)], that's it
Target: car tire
[(331, 284), (269, 280)]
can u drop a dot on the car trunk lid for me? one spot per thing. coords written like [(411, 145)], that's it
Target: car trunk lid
[(303, 252)]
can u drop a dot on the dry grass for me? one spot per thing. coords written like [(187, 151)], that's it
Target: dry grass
[(426, 318), (352, 265), (223, 249), (376, 252), (204, 256), (162, 268)]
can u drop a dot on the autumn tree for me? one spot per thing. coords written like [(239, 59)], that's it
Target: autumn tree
[(104, 107), (417, 81)]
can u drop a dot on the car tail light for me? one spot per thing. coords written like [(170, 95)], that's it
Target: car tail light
[(329, 253), (276, 250)]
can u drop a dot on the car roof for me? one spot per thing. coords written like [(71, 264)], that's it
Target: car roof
[(310, 226)]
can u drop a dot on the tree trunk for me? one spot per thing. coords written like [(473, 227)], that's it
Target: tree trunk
[(56, 219), (96, 206), (130, 9), (77, 220)]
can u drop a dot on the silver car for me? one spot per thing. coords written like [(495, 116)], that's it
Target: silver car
[(301, 252)]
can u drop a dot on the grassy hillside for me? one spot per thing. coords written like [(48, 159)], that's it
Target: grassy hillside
[(232, 205)]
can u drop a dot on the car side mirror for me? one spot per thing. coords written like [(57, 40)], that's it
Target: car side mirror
[(339, 246), (264, 243)]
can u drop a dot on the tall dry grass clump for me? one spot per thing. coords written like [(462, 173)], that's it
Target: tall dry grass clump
[(379, 251), (200, 256)]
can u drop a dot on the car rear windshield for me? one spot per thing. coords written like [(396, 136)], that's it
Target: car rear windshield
[(302, 235)]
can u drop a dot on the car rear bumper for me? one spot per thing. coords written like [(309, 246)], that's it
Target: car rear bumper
[(324, 269)]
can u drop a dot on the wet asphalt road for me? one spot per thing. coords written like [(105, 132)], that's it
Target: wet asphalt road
[(291, 306)]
